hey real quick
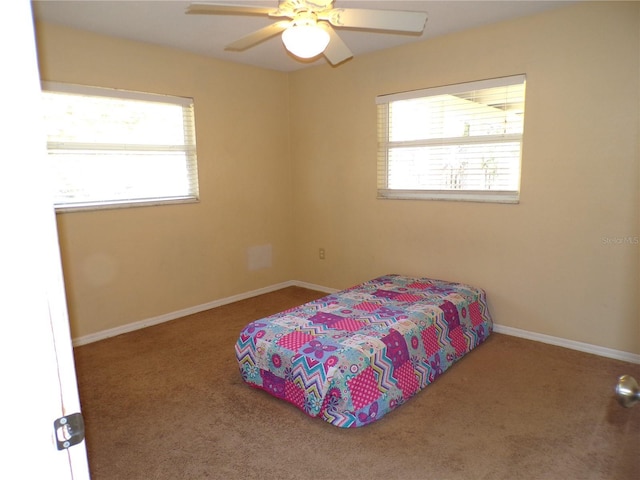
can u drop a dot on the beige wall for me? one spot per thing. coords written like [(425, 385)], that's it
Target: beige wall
[(545, 263), (127, 265)]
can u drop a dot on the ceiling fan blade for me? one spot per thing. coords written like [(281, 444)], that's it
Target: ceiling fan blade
[(224, 9), (392, 20), (258, 36), (337, 51)]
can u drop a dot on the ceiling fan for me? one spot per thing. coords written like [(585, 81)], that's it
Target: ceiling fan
[(308, 29)]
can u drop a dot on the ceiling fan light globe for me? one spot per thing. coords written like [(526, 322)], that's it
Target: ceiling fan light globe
[(305, 41)]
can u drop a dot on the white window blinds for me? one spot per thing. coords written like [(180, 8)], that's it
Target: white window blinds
[(119, 148), (458, 142)]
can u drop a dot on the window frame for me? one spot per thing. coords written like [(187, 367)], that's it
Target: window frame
[(188, 148), (384, 145)]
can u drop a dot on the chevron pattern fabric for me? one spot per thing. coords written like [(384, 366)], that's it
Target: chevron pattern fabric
[(353, 356)]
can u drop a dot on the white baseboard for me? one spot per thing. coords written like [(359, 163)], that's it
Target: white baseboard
[(538, 337), (311, 286), (130, 327), (571, 344)]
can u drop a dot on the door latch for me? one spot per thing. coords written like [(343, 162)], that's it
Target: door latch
[(69, 430)]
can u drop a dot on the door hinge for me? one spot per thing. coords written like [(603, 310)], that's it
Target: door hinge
[(69, 430)]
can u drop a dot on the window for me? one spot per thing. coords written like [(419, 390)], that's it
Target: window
[(458, 142), (112, 148)]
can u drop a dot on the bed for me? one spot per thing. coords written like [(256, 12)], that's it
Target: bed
[(353, 356)]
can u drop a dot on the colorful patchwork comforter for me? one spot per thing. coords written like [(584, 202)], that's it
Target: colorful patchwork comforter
[(353, 356)]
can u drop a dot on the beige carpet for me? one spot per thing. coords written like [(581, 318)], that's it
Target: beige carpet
[(168, 403)]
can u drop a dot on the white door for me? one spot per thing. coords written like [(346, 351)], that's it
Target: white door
[(37, 374)]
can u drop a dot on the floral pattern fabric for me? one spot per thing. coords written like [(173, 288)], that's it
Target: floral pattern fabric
[(355, 355)]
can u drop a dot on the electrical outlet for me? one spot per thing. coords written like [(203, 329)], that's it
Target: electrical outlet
[(321, 253)]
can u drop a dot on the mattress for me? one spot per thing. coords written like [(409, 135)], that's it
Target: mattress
[(353, 356)]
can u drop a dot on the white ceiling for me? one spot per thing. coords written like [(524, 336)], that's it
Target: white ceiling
[(164, 22)]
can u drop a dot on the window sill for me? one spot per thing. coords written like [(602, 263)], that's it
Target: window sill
[(456, 196), (89, 206)]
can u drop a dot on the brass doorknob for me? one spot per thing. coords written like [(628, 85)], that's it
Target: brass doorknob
[(627, 391)]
